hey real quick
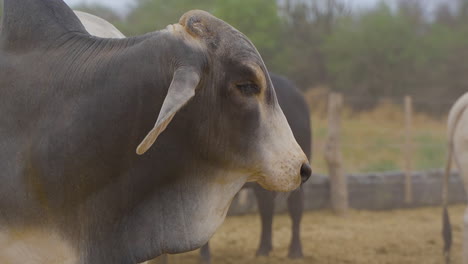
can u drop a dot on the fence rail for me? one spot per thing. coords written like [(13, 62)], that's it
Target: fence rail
[(371, 191), (408, 142)]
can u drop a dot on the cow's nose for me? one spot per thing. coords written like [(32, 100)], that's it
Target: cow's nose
[(306, 171)]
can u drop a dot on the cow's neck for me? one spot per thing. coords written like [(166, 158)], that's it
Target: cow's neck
[(183, 216), (176, 217)]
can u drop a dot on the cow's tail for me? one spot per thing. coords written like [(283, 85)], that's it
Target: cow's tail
[(446, 226)]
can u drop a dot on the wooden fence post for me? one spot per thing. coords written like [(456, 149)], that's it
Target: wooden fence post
[(333, 156), (408, 149)]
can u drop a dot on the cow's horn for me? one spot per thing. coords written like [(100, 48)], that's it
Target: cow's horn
[(181, 90)]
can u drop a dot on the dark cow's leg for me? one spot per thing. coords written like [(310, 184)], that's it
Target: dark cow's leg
[(296, 206), (205, 253), (266, 204)]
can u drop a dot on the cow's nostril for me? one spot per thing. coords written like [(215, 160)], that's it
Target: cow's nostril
[(306, 171)]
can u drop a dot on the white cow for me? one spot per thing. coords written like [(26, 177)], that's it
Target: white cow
[(97, 26), (457, 150)]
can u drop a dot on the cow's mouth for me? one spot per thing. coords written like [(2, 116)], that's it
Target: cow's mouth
[(279, 181)]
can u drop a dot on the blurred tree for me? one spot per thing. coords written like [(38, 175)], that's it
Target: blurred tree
[(151, 15), (385, 52), (413, 10), (373, 55), (444, 75), (444, 15), (307, 25), (462, 10), (259, 20)]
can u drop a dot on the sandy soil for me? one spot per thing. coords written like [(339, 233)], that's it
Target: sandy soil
[(363, 237)]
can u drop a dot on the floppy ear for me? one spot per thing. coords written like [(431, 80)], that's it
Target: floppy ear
[(182, 89)]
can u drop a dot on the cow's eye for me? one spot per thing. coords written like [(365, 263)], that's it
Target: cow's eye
[(248, 88)]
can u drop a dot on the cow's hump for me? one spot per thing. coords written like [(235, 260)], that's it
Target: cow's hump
[(29, 24)]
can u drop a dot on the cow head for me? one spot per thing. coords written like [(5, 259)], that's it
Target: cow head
[(244, 128)]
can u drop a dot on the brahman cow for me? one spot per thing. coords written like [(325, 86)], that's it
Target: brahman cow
[(296, 111), (457, 128), (74, 107)]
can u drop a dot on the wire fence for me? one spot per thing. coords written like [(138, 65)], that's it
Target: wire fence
[(373, 140)]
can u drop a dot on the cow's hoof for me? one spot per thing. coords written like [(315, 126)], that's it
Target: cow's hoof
[(263, 251), (205, 261), (295, 253)]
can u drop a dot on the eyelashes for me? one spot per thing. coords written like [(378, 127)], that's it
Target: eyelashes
[(248, 88)]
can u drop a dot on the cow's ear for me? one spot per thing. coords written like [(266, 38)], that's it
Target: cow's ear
[(181, 90)]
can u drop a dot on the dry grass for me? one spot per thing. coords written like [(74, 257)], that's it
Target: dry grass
[(373, 141), (363, 237)]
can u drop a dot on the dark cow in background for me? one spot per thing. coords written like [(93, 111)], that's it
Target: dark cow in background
[(296, 112), (74, 107)]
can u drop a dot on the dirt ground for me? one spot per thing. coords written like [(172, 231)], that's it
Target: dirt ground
[(363, 237)]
